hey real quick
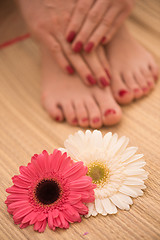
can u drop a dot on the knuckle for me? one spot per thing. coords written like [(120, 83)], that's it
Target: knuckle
[(106, 22), (93, 16), (55, 48), (82, 9)]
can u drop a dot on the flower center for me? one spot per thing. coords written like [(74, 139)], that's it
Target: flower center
[(47, 191), (98, 172)]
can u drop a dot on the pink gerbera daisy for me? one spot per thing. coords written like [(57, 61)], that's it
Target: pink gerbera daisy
[(52, 188)]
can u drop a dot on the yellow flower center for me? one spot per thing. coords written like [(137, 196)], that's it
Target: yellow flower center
[(98, 172)]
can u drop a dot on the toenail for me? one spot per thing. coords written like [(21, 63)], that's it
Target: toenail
[(145, 89), (122, 93), (89, 47), (103, 39), (84, 119), (108, 74), (75, 121), (70, 70), (57, 118), (78, 47), (95, 120), (109, 111), (71, 36), (155, 78), (136, 90), (150, 84), (91, 80), (104, 82)]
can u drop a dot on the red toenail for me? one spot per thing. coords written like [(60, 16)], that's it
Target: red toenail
[(155, 78), (103, 39), (150, 84), (109, 111), (122, 92), (70, 70), (84, 119), (75, 121), (78, 46), (57, 119), (104, 82), (145, 89), (91, 80), (95, 120), (71, 36), (89, 47), (108, 74), (136, 90)]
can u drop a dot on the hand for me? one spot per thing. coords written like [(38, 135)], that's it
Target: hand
[(47, 21), (93, 22)]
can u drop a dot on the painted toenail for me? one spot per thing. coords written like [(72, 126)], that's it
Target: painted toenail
[(150, 84), (103, 39), (122, 93), (95, 120), (155, 78), (71, 36), (70, 70), (108, 74), (91, 80), (145, 89), (89, 47), (58, 119), (84, 119), (104, 82), (78, 47), (109, 111), (136, 90), (75, 121)]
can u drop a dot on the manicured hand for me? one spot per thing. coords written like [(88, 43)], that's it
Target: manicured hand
[(93, 22)]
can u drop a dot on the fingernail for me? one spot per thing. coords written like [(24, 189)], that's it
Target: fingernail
[(122, 92), (91, 80), (95, 120), (108, 74), (75, 121), (57, 119), (84, 119), (78, 46), (71, 36), (70, 70), (136, 90), (109, 111), (89, 47), (104, 82), (103, 39), (145, 89)]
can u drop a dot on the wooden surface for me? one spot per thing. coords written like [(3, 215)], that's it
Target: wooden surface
[(25, 129)]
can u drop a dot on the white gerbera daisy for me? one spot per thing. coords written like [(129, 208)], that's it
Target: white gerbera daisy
[(113, 166)]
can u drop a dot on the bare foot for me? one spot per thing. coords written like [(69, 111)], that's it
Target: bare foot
[(66, 97), (134, 70)]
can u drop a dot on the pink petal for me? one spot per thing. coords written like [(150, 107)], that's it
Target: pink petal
[(43, 226), (41, 216), (75, 169), (24, 225), (51, 215), (20, 183), (37, 226), (55, 160), (34, 219), (22, 212), (74, 198), (16, 197), (15, 189), (72, 212), (65, 163), (18, 204), (64, 223), (29, 217), (81, 208)]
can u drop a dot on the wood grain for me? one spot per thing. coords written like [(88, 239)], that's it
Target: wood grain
[(25, 129)]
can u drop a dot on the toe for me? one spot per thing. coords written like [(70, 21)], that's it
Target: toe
[(142, 81), (94, 114), (148, 77), (120, 91), (132, 85), (81, 113), (110, 110), (69, 113), (154, 69)]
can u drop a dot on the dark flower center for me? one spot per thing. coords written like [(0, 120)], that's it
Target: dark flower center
[(47, 191)]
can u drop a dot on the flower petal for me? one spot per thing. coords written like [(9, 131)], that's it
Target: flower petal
[(109, 207), (116, 199)]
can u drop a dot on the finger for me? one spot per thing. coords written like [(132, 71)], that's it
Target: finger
[(93, 18), (103, 59), (103, 28), (54, 47), (77, 19), (97, 68)]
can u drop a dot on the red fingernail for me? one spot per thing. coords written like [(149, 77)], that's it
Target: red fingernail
[(103, 39), (109, 111), (78, 46), (122, 92), (91, 80), (108, 74), (89, 47), (136, 90), (95, 120), (57, 119), (70, 70), (75, 121), (104, 82), (145, 89), (71, 36), (84, 119)]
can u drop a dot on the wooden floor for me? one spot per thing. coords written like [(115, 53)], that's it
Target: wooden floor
[(25, 129)]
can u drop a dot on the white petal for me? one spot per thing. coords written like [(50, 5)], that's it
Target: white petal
[(90, 209), (137, 164), (133, 181), (128, 190), (106, 139), (98, 206), (125, 198), (109, 206), (94, 212), (119, 147), (134, 171), (138, 191), (116, 199), (129, 152)]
